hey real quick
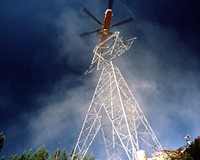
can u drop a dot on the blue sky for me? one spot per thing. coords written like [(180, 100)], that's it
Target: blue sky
[(44, 94)]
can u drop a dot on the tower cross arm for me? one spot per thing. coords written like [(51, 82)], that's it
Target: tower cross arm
[(108, 50)]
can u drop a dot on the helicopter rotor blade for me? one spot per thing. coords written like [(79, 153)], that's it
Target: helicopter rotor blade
[(123, 22), (110, 4), (88, 33), (91, 15)]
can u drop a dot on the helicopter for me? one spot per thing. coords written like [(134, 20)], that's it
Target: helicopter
[(104, 31)]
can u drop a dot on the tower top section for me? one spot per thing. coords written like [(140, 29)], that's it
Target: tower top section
[(108, 50)]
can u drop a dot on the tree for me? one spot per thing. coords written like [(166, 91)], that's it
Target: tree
[(2, 158), (91, 156), (85, 158), (13, 157), (57, 154), (2, 140), (71, 153), (63, 155), (25, 155), (52, 157), (40, 154)]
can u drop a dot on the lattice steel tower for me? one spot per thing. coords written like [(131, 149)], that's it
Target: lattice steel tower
[(114, 110)]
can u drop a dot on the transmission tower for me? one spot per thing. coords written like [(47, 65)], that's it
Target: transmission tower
[(114, 110)]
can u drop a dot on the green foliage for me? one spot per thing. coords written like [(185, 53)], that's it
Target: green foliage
[(25, 155), (55, 155), (13, 157), (187, 156), (59, 156), (52, 157), (63, 155), (40, 154), (2, 140), (85, 158), (194, 150), (71, 153), (91, 156), (2, 158)]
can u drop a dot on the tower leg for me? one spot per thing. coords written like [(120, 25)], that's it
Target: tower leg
[(114, 110)]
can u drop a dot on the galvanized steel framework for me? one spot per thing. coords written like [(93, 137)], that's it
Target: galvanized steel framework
[(114, 110)]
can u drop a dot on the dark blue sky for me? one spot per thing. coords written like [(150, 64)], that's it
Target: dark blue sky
[(43, 60)]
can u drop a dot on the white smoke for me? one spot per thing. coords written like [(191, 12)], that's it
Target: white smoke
[(156, 68)]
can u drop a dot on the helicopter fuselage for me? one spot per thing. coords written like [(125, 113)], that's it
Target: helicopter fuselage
[(105, 27)]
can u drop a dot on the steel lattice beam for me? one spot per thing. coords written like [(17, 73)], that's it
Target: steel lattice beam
[(114, 110)]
